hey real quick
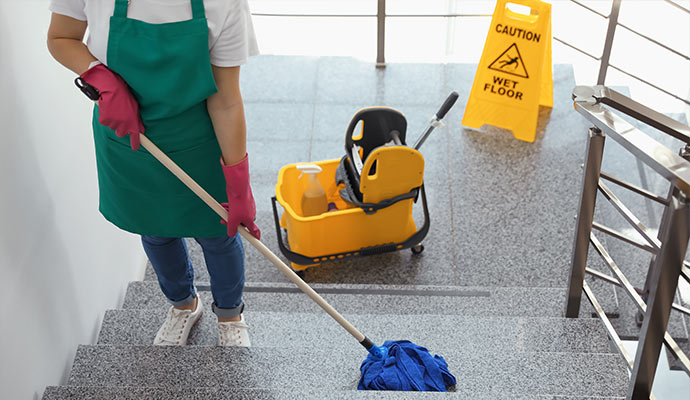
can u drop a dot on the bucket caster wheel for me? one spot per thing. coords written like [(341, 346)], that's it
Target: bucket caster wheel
[(418, 249)]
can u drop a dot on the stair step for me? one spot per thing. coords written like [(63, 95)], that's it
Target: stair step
[(380, 299), (337, 368), (437, 332), (138, 393)]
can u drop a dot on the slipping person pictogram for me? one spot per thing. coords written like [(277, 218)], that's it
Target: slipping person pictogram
[(510, 62)]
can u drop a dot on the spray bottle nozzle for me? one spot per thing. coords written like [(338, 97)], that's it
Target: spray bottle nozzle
[(308, 169)]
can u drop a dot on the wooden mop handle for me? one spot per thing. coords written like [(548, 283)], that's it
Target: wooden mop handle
[(220, 210)]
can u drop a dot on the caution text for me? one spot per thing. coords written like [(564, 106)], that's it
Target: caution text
[(518, 32)]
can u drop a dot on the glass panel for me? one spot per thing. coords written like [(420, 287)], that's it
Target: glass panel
[(586, 69), (567, 22), (602, 6), (658, 20), (418, 7), (358, 7), (416, 39), (650, 62), (647, 95), (467, 37), (325, 36)]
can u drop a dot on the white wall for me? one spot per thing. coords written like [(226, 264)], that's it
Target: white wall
[(61, 264)]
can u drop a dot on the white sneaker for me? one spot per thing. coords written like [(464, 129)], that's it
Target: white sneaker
[(234, 333), (177, 325)]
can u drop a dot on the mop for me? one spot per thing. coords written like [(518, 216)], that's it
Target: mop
[(396, 365)]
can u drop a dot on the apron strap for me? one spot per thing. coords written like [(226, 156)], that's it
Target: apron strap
[(121, 8), (198, 11)]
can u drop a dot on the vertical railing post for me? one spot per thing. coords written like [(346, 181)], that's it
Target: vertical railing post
[(585, 216), (381, 34), (608, 44), (685, 153), (662, 290)]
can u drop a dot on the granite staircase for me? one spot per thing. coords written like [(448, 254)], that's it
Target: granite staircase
[(500, 342)]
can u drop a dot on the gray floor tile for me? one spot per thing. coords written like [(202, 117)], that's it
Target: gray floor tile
[(414, 84), (267, 122), (346, 80), (513, 202), (330, 125), (266, 159), (279, 79)]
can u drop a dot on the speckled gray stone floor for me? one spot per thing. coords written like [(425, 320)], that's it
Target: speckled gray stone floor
[(338, 369), (131, 393), (439, 332), (529, 302)]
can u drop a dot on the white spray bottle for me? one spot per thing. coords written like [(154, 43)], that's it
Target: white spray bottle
[(314, 200)]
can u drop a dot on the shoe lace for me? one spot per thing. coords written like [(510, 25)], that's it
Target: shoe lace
[(174, 325), (229, 335)]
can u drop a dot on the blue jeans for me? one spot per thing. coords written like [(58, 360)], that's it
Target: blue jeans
[(225, 262)]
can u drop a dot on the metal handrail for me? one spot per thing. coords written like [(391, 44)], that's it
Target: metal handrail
[(665, 162), (668, 250)]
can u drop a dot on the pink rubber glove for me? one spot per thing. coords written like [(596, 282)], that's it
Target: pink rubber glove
[(240, 205), (118, 109)]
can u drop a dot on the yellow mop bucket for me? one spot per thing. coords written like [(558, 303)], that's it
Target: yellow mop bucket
[(370, 207)]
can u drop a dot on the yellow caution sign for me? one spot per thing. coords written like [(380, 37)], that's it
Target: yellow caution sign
[(514, 75)]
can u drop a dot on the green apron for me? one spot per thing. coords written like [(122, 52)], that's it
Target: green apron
[(169, 70)]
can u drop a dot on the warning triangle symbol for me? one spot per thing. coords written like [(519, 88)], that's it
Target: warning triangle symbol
[(510, 62)]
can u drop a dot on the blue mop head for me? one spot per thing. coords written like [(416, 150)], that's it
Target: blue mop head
[(405, 366)]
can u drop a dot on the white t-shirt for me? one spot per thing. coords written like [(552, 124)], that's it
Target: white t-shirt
[(231, 38)]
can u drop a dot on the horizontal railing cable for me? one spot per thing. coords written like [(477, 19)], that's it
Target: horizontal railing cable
[(629, 216), (613, 281), (649, 84), (623, 237), (590, 9), (634, 188), (673, 3), (656, 42), (576, 48)]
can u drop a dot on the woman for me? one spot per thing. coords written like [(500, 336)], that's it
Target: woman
[(169, 70)]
